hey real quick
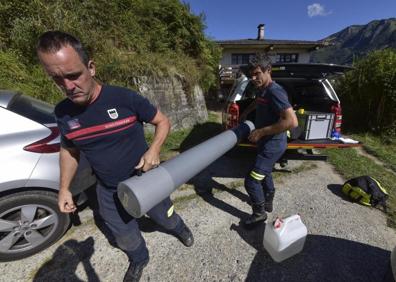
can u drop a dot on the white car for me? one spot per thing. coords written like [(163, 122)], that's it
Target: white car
[(30, 219)]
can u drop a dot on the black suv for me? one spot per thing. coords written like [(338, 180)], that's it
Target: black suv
[(310, 90)]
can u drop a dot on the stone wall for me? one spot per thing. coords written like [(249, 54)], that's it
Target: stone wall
[(184, 108)]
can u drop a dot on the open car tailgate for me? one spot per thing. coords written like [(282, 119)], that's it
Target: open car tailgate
[(312, 144), (320, 144), (304, 149)]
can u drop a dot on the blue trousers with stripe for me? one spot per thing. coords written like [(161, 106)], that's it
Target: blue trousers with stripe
[(124, 227), (259, 181)]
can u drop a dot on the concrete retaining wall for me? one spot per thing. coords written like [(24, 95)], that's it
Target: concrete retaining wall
[(184, 107)]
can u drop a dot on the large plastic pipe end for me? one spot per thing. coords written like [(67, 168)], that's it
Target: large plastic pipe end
[(243, 130), (139, 194), (129, 200), (250, 124)]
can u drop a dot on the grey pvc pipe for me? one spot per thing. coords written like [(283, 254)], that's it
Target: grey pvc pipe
[(139, 194)]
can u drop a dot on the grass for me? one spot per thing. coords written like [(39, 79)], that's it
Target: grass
[(379, 148), (181, 140), (350, 164)]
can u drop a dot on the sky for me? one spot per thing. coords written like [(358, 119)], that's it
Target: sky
[(287, 19)]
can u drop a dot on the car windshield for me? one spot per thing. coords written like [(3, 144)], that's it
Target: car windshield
[(33, 109)]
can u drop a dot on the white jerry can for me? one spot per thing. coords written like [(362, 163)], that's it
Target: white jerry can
[(285, 237)]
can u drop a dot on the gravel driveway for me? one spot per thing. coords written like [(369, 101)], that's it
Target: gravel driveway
[(346, 241)]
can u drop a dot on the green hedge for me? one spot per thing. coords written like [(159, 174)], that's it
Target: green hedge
[(127, 38), (32, 81), (368, 94)]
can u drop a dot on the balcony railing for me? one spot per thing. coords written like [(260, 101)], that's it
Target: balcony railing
[(229, 73)]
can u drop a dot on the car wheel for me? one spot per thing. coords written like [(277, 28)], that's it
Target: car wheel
[(30, 221)]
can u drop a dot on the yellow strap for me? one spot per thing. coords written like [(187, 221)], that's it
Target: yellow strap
[(356, 193), (364, 197), (256, 175), (379, 185), (170, 211)]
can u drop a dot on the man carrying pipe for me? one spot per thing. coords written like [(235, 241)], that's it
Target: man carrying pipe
[(274, 116), (106, 124)]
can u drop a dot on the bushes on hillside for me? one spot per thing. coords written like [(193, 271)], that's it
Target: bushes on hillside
[(131, 37), (368, 94), (29, 80)]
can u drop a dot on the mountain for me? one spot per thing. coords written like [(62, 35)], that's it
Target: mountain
[(357, 40)]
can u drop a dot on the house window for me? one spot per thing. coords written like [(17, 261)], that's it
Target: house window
[(240, 59), (287, 58)]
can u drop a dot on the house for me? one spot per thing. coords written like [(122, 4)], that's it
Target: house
[(238, 52)]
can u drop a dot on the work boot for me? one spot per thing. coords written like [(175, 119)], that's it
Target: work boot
[(186, 236), (135, 271), (269, 198), (259, 215)]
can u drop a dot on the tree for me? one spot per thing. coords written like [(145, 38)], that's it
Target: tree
[(368, 94)]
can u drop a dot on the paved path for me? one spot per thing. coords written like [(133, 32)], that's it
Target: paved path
[(346, 242)]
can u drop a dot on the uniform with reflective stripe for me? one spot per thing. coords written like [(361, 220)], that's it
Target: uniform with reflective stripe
[(110, 134), (109, 131), (270, 103)]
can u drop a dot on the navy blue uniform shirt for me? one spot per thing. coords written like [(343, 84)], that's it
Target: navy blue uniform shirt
[(270, 102), (108, 131)]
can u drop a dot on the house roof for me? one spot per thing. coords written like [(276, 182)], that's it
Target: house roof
[(269, 42)]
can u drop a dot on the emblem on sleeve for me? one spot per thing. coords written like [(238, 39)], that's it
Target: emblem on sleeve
[(112, 113), (73, 123)]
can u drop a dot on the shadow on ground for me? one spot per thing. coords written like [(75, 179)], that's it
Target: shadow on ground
[(199, 134), (336, 189), (64, 262), (224, 174), (323, 258)]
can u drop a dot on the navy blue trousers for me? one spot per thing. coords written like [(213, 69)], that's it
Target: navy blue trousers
[(259, 181), (125, 228)]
